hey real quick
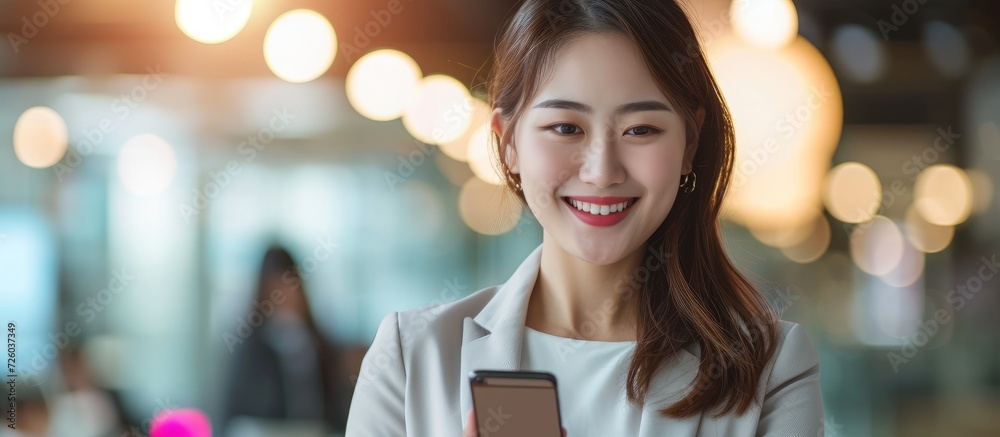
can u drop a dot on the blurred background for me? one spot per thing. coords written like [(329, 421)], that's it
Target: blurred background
[(212, 204)]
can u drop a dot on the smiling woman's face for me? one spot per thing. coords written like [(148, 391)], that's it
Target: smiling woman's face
[(599, 127)]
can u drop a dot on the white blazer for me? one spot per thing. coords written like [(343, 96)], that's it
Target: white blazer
[(414, 377)]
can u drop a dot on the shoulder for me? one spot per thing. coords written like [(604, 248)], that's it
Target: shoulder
[(447, 313), (795, 355)]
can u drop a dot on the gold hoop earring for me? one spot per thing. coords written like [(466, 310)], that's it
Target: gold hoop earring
[(690, 178)]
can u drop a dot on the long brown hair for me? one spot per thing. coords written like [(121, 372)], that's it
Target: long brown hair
[(698, 296)]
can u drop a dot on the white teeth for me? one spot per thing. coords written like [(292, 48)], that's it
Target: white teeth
[(596, 209)]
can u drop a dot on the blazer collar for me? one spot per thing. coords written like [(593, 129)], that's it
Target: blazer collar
[(493, 339)]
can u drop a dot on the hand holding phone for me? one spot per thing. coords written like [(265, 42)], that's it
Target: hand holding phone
[(513, 403)]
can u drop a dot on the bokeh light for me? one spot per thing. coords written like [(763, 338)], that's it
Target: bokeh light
[(982, 190), (40, 137), (441, 112), (765, 23), (300, 46), (909, 269), (212, 21), (784, 143), (858, 53), (877, 246), (852, 192), (815, 244), (946, 48), (458, 149), (483, 158), (146, 165), (382, 84), (488, 209), (927, 237), (943, 195)]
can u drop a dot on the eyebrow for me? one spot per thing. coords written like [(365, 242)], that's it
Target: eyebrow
[(645, 105)]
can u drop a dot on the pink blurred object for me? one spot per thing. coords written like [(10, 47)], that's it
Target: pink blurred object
[(181, 423)]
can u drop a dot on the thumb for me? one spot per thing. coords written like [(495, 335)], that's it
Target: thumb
[(470, 425)]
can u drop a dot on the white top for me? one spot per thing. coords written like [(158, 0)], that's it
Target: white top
[(590, 380)]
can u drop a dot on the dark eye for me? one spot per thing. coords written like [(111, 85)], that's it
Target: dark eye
[(642, 131), (565, 128)]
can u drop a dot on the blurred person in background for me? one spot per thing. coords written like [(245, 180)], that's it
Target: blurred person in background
[(83, 408), (285, 371)]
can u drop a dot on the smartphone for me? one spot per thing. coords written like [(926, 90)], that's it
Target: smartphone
[(514, 403)]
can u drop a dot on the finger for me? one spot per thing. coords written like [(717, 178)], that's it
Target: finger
[(564, 432), (470, 426)]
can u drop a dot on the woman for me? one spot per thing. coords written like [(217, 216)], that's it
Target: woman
[(613, 132), (285, 370)]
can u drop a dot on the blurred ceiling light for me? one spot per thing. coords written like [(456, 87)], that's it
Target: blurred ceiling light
[(382, 84), (782, 236), (852, 192), (877, 246), (768, 24), (488, 209), (982, 190), (300, 46), (943, 195), (926, 237), (784, 142), (909, 269), (815, 244), (212, 21), (858, 53), (441, 111), (947, 48), (459, 148), (146, 165), (483, 158), (40, 137)]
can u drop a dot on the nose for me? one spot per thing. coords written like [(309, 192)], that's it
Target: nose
[(601, 165)]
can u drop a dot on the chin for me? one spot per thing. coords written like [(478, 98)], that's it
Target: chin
[(600, 253)]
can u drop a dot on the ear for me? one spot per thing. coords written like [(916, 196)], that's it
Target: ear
[(499, 125), (692, 142)]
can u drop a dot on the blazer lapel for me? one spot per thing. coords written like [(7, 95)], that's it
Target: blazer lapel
[(492, 340)]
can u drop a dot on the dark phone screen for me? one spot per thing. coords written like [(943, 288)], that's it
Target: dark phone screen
[(521, 411)]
